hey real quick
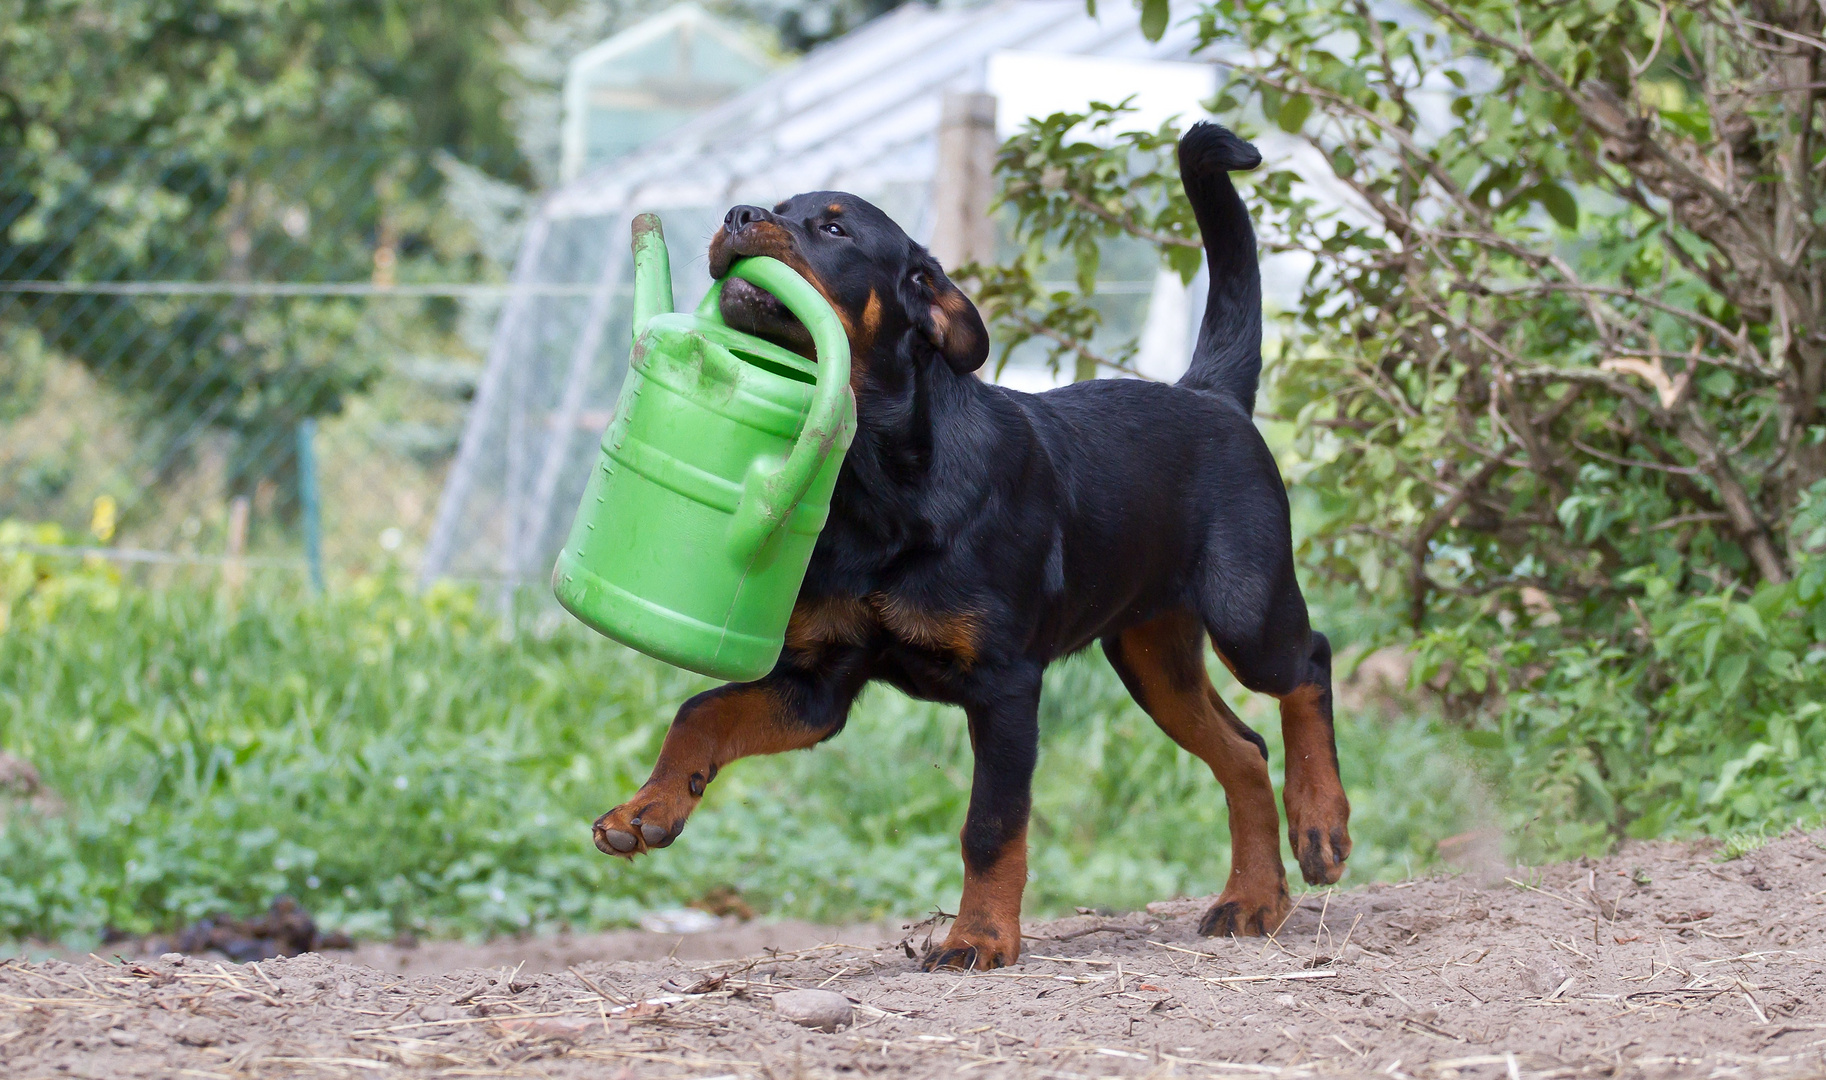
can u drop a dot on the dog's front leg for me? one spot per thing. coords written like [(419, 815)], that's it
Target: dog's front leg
[(1005, 734), (792, 708)]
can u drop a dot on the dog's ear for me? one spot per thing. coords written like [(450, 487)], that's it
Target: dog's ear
[(946, 316)]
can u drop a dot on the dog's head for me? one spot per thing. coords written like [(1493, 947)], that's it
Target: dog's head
[(892, 296)]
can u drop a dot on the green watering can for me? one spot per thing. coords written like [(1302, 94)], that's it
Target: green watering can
[(715, 477)]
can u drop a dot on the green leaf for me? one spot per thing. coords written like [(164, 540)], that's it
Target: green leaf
[(1485, 740), (1294, 112), (1558, 202), (1153, 19), (1746, 615), (1731, 673)]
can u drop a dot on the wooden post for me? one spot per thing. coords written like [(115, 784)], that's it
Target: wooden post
[(965, 181), (234, 572)]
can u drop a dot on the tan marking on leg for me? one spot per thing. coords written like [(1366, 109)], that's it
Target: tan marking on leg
[(1318, 813), (987, 933), (1166, 657), (738, 721)]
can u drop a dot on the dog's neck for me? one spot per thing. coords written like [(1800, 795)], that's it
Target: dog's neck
[(911, 410)]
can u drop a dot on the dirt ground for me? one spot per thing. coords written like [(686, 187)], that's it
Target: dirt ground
[(1660, 961)]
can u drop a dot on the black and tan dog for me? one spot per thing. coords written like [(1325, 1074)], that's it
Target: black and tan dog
[(978, 534)]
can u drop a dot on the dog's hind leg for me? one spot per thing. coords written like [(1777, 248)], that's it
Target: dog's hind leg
[(1263, 636), (1162, 662), (1005, 736), (794, 707), (1318, 813)]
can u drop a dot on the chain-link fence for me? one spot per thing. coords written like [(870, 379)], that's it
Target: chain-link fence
[(195, 354), (270, 361)]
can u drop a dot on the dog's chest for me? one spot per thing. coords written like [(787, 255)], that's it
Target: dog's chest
[(879, 619)]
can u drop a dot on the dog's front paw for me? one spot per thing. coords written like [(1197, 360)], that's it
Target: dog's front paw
[(647, 821), (1247, 912), (980, 947)]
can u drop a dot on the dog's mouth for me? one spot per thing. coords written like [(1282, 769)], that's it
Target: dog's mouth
[(754, 310)]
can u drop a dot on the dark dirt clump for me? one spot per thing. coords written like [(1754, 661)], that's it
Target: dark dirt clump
[(285, 930), (1655, 962)]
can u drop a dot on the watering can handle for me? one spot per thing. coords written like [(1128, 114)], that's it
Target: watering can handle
[(770, 492)]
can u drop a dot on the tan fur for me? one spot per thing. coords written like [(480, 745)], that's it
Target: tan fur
[(1314, 793), (741, 722), (1166, 656), (952, 634), (817, 624), (989, 914)]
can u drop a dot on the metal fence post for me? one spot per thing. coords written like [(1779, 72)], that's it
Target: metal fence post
[(311, 503)]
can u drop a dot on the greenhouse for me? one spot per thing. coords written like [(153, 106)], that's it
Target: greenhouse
[(905, 112)]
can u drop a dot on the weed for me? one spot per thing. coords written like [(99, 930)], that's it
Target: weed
[(398, 764)]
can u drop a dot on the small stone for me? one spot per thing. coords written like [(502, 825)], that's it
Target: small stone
[(201, 1032), (122, 1037), (1544, 975), (172, 957), (819, 1009)]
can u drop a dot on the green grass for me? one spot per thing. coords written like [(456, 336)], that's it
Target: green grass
[(396, 762)]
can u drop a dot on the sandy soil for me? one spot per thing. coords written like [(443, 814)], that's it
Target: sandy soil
[(1658, 961)]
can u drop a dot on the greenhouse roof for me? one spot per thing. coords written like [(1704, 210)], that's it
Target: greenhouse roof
[(859, 113), (650, 79)]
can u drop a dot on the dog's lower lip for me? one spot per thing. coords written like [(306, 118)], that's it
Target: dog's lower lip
[(747, 291), (765, 313)]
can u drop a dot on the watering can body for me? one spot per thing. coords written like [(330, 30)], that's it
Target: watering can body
[(715, 477)]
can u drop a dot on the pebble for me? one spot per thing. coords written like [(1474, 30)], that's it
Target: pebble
[(819, 1009)]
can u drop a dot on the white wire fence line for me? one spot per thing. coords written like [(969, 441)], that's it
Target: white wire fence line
[(161, 558), (146, 556), (412, 291), (416, 291)]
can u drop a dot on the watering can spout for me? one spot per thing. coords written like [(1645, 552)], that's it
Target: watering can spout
[(652, 272)]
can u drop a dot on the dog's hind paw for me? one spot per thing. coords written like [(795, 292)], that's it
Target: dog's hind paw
[(1321, 855)]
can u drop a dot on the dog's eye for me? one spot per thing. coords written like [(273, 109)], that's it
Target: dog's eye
[(834, 229), (919, 279)]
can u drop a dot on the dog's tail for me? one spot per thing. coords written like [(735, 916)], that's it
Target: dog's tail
[(1228, 356)]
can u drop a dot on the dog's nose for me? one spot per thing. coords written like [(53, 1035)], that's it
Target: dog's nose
[(740, 217)]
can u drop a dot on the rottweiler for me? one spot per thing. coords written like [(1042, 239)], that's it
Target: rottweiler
[(977, 534)]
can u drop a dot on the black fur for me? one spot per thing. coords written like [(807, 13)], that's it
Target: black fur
[(1026, 527), (1228, 355)]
